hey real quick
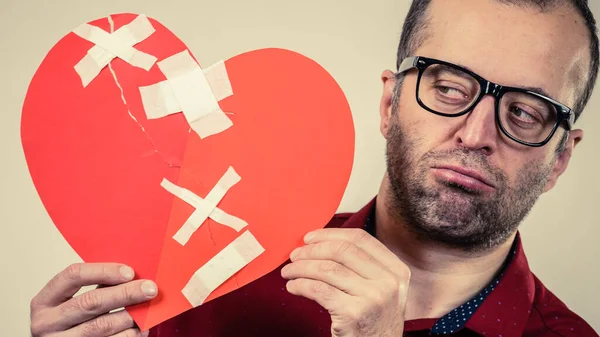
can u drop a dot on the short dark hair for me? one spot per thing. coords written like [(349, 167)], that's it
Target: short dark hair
[(414, 34)]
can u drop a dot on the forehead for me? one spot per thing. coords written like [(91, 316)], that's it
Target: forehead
[(511, 45)]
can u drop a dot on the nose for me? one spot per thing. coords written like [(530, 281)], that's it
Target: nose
[(478, 131)]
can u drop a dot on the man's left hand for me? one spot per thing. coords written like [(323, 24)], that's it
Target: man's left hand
[(360, 282)]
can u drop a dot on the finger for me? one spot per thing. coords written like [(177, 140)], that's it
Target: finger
[(344, 253), (99, 301), (131, 333), (330, 272), (102, 326), (68, 282), (363, 240), (330, 298)]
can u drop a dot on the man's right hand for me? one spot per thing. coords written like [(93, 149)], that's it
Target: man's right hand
[(56, 313)]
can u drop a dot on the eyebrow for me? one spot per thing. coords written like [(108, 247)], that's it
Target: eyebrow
[(452, 70), (537, 90)]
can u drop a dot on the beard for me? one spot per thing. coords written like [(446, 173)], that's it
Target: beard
[(449, 214)]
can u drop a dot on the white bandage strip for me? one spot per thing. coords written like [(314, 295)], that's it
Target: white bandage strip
[(190, 90), (221, 267), (205, 208), (118, 44), (159, 99), (219, 80)]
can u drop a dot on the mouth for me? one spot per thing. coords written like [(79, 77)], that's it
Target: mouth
[(468, 179)]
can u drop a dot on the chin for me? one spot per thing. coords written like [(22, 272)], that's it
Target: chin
[(453, 211)]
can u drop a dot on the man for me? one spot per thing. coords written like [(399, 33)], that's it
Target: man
[(479, 123)]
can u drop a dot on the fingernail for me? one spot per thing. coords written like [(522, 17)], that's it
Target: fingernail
[(149, 288), (127, 272), (288, 286), (145, 333)]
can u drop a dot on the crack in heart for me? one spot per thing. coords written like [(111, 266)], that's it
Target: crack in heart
[(183, 171), (210, 234), (195, 179), (114, 75)]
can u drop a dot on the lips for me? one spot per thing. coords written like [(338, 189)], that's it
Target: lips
[(469, 179)]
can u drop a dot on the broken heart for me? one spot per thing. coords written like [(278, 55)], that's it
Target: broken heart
[(140, 156)]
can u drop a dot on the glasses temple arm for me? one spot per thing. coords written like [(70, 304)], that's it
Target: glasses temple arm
[(407, 64)]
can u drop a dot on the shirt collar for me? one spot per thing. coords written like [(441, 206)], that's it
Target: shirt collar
[(505, 311), (359, 219)]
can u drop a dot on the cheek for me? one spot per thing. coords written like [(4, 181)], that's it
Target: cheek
[(511, 168), (524, 168), (430, 131)]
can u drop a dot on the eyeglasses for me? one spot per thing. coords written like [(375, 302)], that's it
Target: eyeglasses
[(526, 116)]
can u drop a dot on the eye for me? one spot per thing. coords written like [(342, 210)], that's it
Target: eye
[(523, 116), (451, 91)]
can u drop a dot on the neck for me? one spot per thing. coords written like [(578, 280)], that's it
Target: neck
[(442, 278)]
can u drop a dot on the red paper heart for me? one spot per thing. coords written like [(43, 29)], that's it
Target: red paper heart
[(97, 163)]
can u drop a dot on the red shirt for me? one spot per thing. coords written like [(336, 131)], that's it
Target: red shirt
[(518, 304)]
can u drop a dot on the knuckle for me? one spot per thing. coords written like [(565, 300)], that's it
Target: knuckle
[(379, 298), (390, 287), (312, 250), (328, 267), (34, 306), (102, 325), (129, 293), (353, 313), (318, 287), (73, 272), (345, 247), (322, 289), (308, 251), (359, 235), (90, 301), (392, 284), (69, 307)]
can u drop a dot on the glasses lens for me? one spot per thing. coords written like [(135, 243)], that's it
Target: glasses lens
[(447, 90), (527, 117)]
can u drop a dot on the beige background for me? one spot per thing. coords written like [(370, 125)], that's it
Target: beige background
[(355, 41)]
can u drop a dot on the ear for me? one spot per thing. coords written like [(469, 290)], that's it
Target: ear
[(575, 137), (385, 106)]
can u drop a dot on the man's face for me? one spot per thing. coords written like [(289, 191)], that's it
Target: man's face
[(460, 181)]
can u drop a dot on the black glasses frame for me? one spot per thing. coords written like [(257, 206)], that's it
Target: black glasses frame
[(564, 113)]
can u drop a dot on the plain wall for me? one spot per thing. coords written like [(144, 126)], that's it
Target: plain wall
[(355, 41)]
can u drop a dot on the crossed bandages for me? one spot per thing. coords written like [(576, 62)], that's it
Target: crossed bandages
[(195, 92)]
